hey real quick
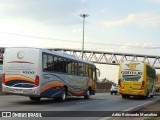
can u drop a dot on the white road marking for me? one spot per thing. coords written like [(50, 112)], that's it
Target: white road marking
[(129, 109), (87, 101)]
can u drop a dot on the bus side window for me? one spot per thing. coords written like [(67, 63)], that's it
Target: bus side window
[(86, 70), (50, 63), (65, 66), (55, 62), (94, 74), (81, 69), (44, 60), (90, 72), (69, 66), (61, 65), (73, 68), (76, 68)]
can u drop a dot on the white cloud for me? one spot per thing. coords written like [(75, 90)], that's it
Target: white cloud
[(110, 24), (22, 26), (136, 48), (4, 6), (78, 30), (84, 1), (156, 1), (140, 19), (137, 45), (125, 46), (147, 45), (51, 12)]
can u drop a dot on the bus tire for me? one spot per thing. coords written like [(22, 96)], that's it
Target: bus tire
[(35, 98), (62, 98), (146, 96), (128, 96), (123, 96), (88, 93)]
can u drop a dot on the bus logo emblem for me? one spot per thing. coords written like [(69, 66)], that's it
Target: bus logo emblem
[(20, 55), (132, 65)]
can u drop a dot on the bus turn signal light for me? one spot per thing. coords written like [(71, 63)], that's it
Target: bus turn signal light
[(143, 83), (119, 82), (36, 83), (3, 78)]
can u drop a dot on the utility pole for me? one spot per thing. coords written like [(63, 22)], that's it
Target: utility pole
[(83, 16)]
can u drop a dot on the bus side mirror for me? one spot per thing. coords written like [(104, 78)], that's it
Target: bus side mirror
[(98, 72)]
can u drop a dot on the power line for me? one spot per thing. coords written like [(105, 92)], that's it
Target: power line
[(30, 36), (94, 43)]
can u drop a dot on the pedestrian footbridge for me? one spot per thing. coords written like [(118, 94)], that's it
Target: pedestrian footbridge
[(111, 58)]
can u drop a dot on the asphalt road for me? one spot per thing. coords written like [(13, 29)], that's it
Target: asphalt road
[(96, 106)]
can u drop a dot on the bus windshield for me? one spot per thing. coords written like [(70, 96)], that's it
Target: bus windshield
[(132, 71)]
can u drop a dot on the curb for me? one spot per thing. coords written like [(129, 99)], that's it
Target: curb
[(141, 107), (133, 109)]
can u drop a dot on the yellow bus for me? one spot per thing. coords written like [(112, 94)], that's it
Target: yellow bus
[(157, 87), (136, 79)]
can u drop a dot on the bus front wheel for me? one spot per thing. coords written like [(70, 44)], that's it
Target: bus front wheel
[(146, 96), (62, 98), (123, 96), (87, 96)]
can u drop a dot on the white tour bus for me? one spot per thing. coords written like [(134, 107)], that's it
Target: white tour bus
[(39, 73)]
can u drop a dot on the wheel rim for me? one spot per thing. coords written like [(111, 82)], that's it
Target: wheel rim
[(63, 95), (88, 93)]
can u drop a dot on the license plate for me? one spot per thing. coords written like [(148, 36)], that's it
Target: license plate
[(18, 91), (129, 91)]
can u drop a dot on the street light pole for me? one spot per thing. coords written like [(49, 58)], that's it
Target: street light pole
[(83, 16)]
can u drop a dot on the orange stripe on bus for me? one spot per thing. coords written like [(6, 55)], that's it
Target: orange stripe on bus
[(76, 92), (18, 78), (51, 86)]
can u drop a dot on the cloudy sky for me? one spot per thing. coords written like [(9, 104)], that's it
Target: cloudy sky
[(133, 25)]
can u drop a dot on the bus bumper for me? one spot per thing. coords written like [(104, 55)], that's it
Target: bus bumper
[(21, 91), (132, 92)]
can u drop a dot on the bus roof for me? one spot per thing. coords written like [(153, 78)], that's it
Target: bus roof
[(58, 53), (66, 55)]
